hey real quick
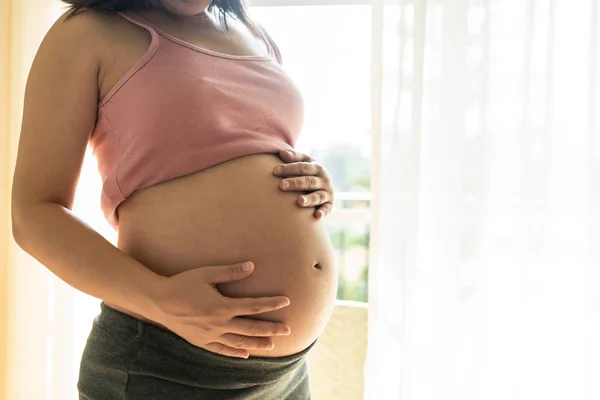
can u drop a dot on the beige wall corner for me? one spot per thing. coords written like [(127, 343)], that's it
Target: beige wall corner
[(23, 24), (5, 231), (337, 362)]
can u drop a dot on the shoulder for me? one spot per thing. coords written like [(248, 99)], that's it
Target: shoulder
[(85, 25), (86, 32), (94, 39)]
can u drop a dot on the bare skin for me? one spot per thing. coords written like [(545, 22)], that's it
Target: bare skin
[(169, 233), (198, 220)]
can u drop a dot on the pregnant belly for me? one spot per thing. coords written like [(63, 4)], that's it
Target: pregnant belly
[(235, 212)]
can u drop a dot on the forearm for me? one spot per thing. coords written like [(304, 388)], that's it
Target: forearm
[(83, 258)]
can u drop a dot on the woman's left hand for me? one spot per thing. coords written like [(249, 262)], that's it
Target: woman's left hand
[(303, 174)]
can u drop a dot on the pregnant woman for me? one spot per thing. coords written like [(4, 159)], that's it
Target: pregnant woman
[(223, 276)]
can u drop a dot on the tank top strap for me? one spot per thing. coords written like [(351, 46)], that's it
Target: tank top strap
[(150, 52), (134, 19), (272, 46)]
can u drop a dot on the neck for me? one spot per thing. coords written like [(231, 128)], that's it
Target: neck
[(200, 17), (203, 18)]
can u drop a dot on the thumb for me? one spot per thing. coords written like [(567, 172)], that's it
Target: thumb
[(229, 273)]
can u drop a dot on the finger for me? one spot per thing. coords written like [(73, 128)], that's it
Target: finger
[(323, 211), (303, 183), (247, 343), (228, 273), (220, 348), (314, 199), (299, 169), (293, 156), (249, 306), (254, 327)]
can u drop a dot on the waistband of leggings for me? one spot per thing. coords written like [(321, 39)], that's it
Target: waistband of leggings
[(164, 340)]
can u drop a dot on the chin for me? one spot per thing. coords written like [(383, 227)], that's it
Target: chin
[(186, 8)]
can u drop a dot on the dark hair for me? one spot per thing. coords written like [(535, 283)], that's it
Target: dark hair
[(234, 8)]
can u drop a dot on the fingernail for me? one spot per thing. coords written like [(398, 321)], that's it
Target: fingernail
[(291, 153), (304, 199), (246, 267), (285, 184), (278, 169)]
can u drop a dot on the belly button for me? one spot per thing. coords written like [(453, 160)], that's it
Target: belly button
[(318, 266)]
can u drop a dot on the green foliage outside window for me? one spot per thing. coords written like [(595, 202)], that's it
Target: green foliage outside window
[(350, 171)]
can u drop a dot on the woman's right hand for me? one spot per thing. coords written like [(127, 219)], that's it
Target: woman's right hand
[(190, 305)]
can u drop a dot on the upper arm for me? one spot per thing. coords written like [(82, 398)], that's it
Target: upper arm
[(59, 114)]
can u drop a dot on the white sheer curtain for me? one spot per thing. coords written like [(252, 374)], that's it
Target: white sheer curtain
[(485, 269)]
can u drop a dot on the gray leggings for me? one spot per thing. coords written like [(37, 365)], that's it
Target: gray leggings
[(128, 359)]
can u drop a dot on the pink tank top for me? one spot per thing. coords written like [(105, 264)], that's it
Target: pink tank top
[(183, 108)]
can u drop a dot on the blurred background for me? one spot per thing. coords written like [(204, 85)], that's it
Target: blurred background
[(462, 137)]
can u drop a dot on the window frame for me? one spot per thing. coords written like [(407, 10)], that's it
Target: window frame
[(279, 3)]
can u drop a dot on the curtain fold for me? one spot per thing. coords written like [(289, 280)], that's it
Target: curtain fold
[(484, 279)]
